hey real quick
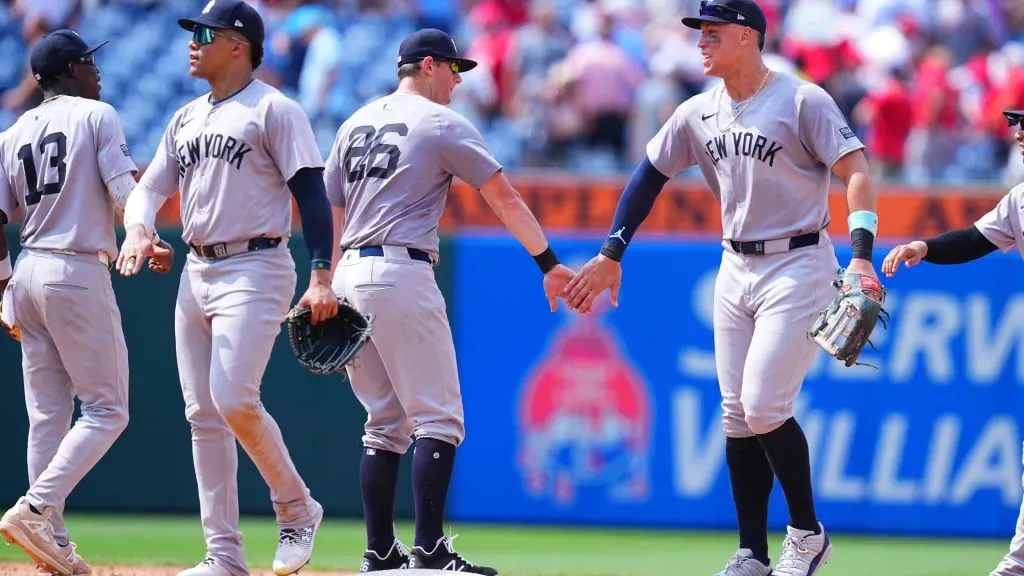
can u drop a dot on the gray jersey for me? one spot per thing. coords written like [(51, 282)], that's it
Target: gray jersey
[(57, 159), (1002, 225), (391, 165), (771, 172), (231, 161)]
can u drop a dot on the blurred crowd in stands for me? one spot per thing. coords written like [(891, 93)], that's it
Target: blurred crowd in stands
[(581, 85)]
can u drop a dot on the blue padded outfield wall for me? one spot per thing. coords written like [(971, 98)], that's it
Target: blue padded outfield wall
[(614, 418)]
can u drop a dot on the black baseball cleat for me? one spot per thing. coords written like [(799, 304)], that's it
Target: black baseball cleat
[(396, 558), (444, 558)]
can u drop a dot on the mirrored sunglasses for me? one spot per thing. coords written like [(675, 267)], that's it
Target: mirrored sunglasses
[(203, 35)]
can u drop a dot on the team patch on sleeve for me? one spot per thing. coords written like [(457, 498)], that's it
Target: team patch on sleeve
[(124, 150), (847, 133)]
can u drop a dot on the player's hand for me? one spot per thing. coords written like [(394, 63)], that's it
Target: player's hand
[(137, 246), (862, 267), (596, 276), (911, 254), (162, 258), (319, 297), (555, 282)]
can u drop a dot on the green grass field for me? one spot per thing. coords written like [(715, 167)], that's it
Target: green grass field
[(524, 551)]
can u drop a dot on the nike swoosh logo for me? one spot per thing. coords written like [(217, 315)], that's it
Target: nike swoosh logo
[(705, 117), (185, 121)]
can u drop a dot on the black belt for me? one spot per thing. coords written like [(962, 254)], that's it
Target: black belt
[(226, 249), (757, 247), (414, 253)]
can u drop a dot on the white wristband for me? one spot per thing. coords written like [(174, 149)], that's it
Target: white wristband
[(5, 267)]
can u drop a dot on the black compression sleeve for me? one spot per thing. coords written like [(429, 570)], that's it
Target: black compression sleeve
[(958, 246), (634, 206)]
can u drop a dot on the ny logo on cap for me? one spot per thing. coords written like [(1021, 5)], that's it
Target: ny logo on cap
[(238, 24), (209, 6)]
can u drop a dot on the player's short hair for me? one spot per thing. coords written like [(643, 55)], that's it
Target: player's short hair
[(256, 55), (760, 40), (409, 69)]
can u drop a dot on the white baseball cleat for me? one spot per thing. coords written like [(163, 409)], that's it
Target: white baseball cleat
[(743, 563), (295, 545), (79, 567), (33, 533), (803, 552), (207, 567)]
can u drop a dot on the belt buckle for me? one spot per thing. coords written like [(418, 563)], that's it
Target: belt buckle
[(758, 247), (220, 251)]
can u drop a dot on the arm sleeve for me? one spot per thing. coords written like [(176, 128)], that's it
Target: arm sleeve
[(334, 172), (111, 149), (671, 149), (158, 183), (161, 175), (824, 132), (958, 246), (997, 225), (317, 225), (288, 137), (634, 206), (462, 151)]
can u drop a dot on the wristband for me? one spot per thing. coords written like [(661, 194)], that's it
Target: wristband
[(861, 241), (5, 267), (863, 219), (320, 264), (546, 260), (613, 250)]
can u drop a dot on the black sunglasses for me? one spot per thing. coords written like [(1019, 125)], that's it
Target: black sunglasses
[(87, 59), (1013, 119)]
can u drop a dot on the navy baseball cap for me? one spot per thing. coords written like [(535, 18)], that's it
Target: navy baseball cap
[(230, 14), (53, 52), (743, 12), (1014, 117), (432, 42)]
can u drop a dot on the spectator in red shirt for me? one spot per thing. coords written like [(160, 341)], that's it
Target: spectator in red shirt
[(887, 112)]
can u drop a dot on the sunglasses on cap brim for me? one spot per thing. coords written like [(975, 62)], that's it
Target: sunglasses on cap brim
[(1013, 118), (710, 9)]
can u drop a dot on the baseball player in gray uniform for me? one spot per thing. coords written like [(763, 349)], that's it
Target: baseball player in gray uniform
[(766, 143), (66, 169), (237, 155), (1002, 228), (387, 178)]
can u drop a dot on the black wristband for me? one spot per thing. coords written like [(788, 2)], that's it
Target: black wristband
[(613, 249), (862, 241), (546, 260)]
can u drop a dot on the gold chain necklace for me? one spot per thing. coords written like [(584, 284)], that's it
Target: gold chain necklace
[(746, 103)]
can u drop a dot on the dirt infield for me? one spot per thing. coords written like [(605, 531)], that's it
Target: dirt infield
[(8, 569)]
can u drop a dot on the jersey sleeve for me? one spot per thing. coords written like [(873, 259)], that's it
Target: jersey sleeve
[(824, 131), (334, 172), (111, 149), (288, 137), (161, 175), (462, 152), (671, 149), (997, 225)]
